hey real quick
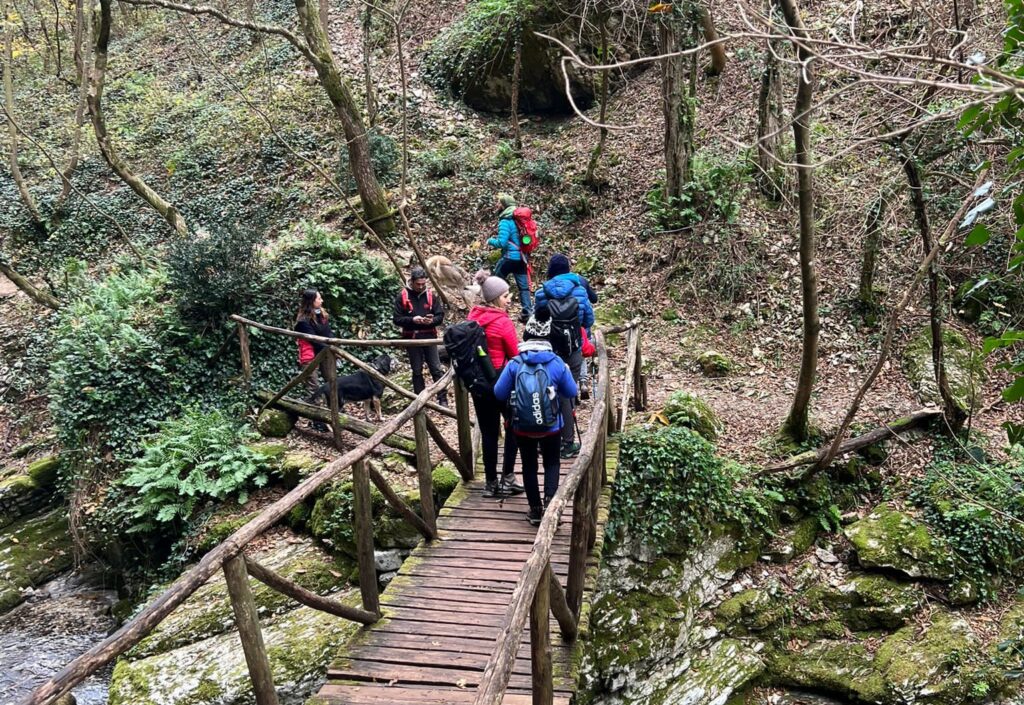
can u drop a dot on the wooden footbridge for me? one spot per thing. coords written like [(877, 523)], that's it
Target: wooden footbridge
[(486, 610)]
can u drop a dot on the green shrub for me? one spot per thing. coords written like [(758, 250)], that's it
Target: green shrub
[(689, 410), (195, 458), (543, 171), (439, 163), (385, 154), (213, 274), (712, 194), (672, 490)]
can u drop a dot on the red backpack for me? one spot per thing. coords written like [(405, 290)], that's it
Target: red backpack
[(407, 304), (529, 239)]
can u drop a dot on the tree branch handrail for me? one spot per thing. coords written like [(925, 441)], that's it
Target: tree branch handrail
[(499, 667), (347, 342), (142, 624)]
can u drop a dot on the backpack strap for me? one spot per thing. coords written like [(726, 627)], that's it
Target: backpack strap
[(406, 303)]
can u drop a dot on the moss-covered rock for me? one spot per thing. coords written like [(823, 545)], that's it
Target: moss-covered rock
[(300, 645), (727, 666), (868, 602), (750, 611), (208, 611), (714, 364), (791, 541), (963, 364), (296, 466), (832, 666), (687, 409), (31, 552), (275, 423), (890, 539), (44, 471)]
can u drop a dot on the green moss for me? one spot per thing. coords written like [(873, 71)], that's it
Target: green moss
[(832, 666), (274, 423), (32, 551), (689, 410), (714, 364), (890, 539), (44, 471), (295, 466), (269, 450), (216, 530), (445, 479), (17, 484), (628, 628)]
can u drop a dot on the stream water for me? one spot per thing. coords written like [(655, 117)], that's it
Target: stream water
[(61, 619)]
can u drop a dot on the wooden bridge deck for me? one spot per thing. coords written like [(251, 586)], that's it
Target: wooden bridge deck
[(443, 611)]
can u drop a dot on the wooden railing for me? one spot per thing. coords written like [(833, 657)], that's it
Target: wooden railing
[(538, 591), (228, 556)]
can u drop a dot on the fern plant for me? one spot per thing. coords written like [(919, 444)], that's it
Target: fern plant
[(198, 457)]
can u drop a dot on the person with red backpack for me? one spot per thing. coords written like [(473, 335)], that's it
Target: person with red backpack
[(515, 250), (418, 313)]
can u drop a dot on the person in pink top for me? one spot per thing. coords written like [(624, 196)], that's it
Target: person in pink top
[(502, 346)]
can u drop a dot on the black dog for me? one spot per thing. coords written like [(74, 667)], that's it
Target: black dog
[(360, 386)]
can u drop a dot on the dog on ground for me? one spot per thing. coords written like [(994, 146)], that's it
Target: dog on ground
[(360, 386), (453, 278)]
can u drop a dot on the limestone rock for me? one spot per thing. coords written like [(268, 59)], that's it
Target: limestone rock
[(792, 541), (31, 552), (274, 423), (44, 471), (832, 666), (875, 602), (296, 466), (714, 364), (964, 368), (890, 539), (387, 561), (689, 410), (726, 667)]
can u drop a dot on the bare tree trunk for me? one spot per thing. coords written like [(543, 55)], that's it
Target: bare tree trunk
[(718, 57), (34, 292), (595, 156), (872, 244), (120, 167), (82, 55), (955, 416), (12, 131), (325, 12), (375, 205), (517, 66), (797, 423), (770, 176), (371, 97), (677, 90)]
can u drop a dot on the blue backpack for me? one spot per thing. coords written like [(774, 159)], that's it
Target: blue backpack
[(534, 400)]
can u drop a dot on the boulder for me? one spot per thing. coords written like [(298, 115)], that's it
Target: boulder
[(875, 602), (31, 552), (750, 611), (296, 466), (963, 362), (689, 410), (889, 539), (792, 541), (831, 666), (23, 493), (44, 471), (714, 364), (275, 423)]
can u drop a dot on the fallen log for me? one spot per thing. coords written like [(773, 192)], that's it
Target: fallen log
[(310, 411), (918, 418)]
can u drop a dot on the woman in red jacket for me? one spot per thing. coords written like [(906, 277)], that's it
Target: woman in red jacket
[(312, 320), (502, 345)]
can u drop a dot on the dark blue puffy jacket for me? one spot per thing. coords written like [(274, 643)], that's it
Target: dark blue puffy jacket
[(560, 287)]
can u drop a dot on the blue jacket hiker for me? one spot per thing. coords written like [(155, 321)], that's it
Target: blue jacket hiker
[(533, 383), (512, 260), (560, 286)]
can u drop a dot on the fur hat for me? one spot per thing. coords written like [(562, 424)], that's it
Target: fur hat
[(558, 264), (490, 287), (506, 200), (536, 329)]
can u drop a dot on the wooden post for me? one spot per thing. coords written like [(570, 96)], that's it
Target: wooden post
[(401, 507), (243, 345), (540, 641), (465, 425), (300, 594), (465, 471), (363, 520), (610, 396), (578, 543), (596, 485), (331, 377), (639, 380), (424, 470), (560, 608), (249, 632)]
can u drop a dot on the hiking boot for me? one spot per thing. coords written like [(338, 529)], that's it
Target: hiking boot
[(584, 389), (570, 450), (494, 488), (510, 486), (535, 515)]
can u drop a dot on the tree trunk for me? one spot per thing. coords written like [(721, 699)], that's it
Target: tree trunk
[(34, 292), (718, 57), (797, 423), (120, 167), (517, 66), (371, 98), (955, 416), (375, 205), (677, 90), (82, 55), (872, 244), (12, 131), (595, 156), (770, 176)]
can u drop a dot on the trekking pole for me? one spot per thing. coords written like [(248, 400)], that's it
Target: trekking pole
[(576, 423)]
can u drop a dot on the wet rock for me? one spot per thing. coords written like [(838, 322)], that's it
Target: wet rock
[(275, 423), (387, 561), (890, 539), (832, 666), (31, 552)]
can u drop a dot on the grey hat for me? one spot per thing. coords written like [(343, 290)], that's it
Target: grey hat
[(493, 287)]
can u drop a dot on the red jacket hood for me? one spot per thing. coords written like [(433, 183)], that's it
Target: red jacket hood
[(502, 342), (486, 315)]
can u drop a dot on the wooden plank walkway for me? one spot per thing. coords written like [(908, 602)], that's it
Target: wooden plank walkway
[(443, 610)]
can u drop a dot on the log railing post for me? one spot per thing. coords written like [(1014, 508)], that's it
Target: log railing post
[(540, 641), (363, 520), (249, 632), (578, 545), (243, 345), (595, 486), (639, 379), (465, 425), (560, 608), (424, 470), (612, 425), (331, 377)]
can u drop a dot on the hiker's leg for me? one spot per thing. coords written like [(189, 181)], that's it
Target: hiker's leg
[(488, 418), (416, 363), (525, 298), (528, 453), (549, 446), (434, 364), (508, 461)]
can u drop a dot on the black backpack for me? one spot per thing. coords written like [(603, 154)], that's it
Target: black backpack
[(466, 344), (565, 324)]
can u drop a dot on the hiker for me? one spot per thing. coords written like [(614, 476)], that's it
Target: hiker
[(564, 298), (312, 320), (512, 260), (532, 383), (418, 313), (502, 344)]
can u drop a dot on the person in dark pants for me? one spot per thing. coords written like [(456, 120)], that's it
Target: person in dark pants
[(418, 313), (312, 320), (534, 353), (512, 260), (502, 345)]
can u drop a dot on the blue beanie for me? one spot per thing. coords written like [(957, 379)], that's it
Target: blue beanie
[(559, 264)]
